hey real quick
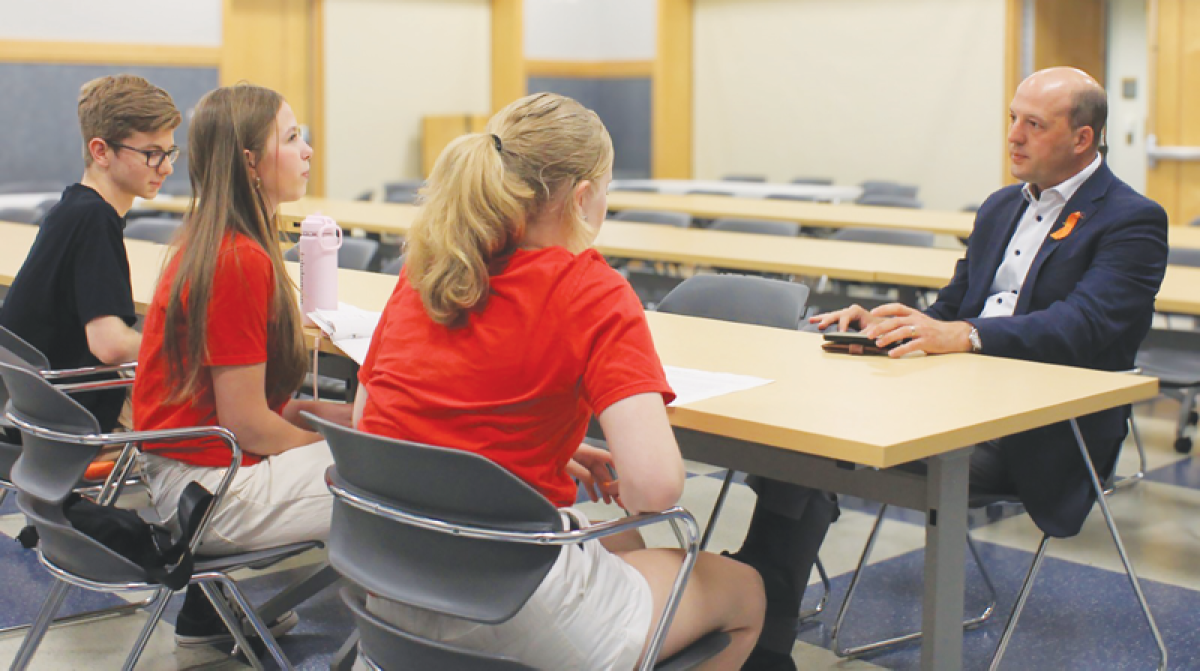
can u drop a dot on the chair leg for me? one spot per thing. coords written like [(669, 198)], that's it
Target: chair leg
[(156, 610), (851, 652), (40, 625), (716, 511), (1022, 596), (1116, 536), (115, 483), (1126, 481), (232, 622), (3, 495), (76, 618), (343, 659), (256, 622), (826, 587)]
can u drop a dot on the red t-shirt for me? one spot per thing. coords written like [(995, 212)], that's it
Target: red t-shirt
[(238, 312), (562, 337)]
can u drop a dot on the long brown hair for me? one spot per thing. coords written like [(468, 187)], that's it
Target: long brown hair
[(229, 121), (485, 187)]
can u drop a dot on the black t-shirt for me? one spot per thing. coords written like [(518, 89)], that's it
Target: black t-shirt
[(76, 271)]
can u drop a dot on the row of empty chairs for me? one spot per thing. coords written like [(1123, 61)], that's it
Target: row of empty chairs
[(874, 192)]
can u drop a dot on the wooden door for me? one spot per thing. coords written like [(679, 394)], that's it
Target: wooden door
[(1175, 106), (279, 44)]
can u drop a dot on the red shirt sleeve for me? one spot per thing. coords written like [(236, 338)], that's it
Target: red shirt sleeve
[(620, 357), (238, 310)]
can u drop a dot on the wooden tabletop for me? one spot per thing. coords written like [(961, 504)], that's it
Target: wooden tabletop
[(958, 224), (1187, 237)]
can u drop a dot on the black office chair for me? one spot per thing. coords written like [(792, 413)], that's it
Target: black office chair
[(883, 236), (451, 532), (59, 440), (154, 229)]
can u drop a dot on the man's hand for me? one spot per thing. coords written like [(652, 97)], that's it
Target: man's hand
[(895, 322), (590, 466), (854, 314)]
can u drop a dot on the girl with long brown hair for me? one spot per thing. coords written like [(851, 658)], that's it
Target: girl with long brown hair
[(504, 335), (222, 343)]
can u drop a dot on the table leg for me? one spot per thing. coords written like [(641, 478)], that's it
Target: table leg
[(945, 547)]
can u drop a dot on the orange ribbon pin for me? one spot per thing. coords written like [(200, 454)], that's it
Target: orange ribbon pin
[(1068, 226)]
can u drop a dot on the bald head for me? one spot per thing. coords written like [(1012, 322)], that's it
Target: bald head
[(1075, 93)]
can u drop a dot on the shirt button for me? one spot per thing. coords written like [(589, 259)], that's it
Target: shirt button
[(1000, 301), (1018, 252), (1039, 217)]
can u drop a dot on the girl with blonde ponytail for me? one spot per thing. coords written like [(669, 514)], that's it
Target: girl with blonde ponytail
[(222, 345), (506, 332)]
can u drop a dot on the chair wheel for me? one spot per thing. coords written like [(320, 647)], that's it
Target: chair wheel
[(1183, 445), (1193, 417)]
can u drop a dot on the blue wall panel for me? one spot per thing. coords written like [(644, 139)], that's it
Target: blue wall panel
[(623, 105), (39, 129)]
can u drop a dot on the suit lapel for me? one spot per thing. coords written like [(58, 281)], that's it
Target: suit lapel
[(1086, 202)]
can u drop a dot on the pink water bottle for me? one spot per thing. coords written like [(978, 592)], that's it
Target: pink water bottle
[(320, 238)]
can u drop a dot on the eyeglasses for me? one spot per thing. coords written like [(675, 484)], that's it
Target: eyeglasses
[(154, 157)]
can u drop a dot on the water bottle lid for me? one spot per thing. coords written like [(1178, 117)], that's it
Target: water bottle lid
[(313, 224)]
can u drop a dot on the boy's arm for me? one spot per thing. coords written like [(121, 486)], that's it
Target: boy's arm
[(112, 341)]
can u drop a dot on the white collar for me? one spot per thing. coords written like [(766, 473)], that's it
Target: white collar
[(1066, 188)]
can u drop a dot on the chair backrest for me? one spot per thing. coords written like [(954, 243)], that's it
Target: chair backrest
[(49, 468), (155, 229), (354, 254), (406, 191), (787, 229), (394, 266), (739, 298), (366, 196), (1183, 256), (481, 580), (708, 192), (871, 187), (814, 181), (884, 236), (756, 179), (30, 355), (21, 215), (636, 188), (662, 217), (791, 196), (390, 647), (889, 200)]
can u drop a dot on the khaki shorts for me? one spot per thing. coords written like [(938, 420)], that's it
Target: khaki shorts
[(281, 499), (592, 611)]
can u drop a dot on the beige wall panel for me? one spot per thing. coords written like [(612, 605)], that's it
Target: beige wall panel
[(853, 90), (388, 64), (1175, 32)]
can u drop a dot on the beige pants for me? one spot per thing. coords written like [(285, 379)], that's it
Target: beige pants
[(282, 499)]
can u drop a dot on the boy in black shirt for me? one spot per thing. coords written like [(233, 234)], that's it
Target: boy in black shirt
[(72, 298)]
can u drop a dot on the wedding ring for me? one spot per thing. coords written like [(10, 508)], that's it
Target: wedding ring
[(912, 331)]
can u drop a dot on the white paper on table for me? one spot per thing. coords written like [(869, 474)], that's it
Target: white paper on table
[(693, 385), (349, 327)]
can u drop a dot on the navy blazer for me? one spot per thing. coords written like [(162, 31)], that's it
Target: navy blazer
[(1087, 301)]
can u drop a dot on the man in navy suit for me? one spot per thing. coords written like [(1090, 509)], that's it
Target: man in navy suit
[(1061, 269)]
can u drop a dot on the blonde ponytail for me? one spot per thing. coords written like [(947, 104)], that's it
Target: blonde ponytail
[(486, 187)]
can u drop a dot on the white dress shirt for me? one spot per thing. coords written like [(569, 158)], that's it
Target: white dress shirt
[(1027, 240)]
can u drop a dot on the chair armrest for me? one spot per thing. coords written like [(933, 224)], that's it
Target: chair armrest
[(162, 436), (67, 373)]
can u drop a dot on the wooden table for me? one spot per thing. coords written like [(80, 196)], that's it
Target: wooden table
[(843, 434), (958, 224), (817, 192), (1187, 237)]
